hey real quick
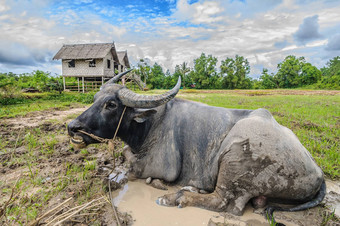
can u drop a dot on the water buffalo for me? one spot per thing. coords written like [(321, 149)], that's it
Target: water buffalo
[(228, 156)]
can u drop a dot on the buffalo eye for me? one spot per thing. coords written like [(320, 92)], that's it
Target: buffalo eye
[(110, 105)]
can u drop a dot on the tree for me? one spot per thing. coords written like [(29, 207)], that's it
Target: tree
[(143, 70), (267, 81), (204, 74), (330, 78), (183, 70), (156, 77), (309, 74), (289, 72), (235, 73)]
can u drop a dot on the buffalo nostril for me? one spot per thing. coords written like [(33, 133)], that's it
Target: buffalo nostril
[(73, 127)]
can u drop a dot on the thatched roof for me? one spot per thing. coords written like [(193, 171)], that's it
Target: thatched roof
[(86, 51), (123, 58)]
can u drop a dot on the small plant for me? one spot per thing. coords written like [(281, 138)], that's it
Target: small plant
[(84, 152), (32, 173), (49, 145), (327, 216), (31, 141)]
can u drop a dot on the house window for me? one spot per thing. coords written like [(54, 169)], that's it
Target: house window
[(108, 63), (72, 63), (116, 67), (92, 63)]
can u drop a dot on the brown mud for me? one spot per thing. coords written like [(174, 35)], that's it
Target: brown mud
[(37, 178), (138, 199)]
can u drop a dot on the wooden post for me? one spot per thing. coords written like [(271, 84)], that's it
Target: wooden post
[(64, 83), (78, 84), (83, 85)]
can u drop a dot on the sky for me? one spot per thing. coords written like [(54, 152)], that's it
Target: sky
[(170, 32)]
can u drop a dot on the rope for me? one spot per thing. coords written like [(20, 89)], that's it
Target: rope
[(110, 142), (105, 140)]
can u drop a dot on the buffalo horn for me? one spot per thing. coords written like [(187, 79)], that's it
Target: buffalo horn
[(132, 99), (117, 77)]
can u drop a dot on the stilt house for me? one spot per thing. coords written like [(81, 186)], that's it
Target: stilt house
[(87, 66)]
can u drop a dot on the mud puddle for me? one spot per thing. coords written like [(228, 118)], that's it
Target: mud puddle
[(139, 200), (333, 196)]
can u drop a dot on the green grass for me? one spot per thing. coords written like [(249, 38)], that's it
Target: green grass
[(12, 107)]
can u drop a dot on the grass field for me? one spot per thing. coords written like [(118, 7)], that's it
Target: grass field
[(39, 167), (30, 102)]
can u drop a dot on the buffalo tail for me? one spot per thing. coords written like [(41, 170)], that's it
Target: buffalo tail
[(312, 203)]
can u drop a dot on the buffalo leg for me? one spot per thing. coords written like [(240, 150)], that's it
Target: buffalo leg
[(182, 198), (234, 183), (227, 195)]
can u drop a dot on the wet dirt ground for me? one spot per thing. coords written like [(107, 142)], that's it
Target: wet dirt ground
[(135, 199)]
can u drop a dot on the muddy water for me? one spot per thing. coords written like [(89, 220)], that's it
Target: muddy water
[(333, 196), (138, 199)]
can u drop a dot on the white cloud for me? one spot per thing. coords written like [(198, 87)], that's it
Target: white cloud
[(261, 31), (198, 13), (3, 6)]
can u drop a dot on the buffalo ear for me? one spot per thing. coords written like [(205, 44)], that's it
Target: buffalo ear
[(142, 115)]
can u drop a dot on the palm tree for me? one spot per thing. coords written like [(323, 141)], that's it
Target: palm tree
[(183, 70)]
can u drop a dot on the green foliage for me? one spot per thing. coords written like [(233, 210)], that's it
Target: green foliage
[(143, 70), (235, 72), (330, 75), (268, 81), (293, 72), (204, 73), (156, 77), (309, 74), (288, 72), (183, 70), (11, 85)]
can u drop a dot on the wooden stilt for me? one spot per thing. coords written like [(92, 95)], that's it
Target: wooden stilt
[(83, 85), (64, 83)]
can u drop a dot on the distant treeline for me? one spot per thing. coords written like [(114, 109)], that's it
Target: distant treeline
[(11, 84), (233, 73)]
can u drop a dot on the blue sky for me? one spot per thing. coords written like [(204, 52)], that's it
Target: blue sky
[(170, 32)]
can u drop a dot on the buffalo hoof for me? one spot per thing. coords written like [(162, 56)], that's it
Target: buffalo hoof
[(148, 180), (157, 183), (170, 199)]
